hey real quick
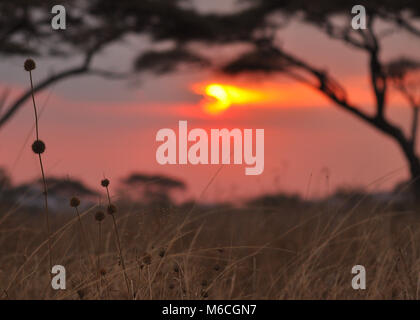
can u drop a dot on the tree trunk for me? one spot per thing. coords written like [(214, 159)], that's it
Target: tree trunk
[(414, 166)]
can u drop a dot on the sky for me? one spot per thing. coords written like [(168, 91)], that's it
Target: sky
[(95, 127)]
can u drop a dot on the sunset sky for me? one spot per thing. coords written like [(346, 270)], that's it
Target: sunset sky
[(94, 126)]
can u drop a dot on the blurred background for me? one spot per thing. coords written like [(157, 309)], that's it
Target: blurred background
[(340, 110), (123, 70)]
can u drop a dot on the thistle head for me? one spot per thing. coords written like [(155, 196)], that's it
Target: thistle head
[(105, 183), (74, 202), (29, 64), (147, 259), (38, 147), (99, 216)]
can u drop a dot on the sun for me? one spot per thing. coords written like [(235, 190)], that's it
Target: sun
[(220, 97)]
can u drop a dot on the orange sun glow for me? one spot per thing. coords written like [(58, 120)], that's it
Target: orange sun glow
[(220, 97)]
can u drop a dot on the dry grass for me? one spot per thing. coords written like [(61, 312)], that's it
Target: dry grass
[(283, 252), (290, 250)]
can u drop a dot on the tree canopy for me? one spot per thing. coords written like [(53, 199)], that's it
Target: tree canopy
[(95, 25)]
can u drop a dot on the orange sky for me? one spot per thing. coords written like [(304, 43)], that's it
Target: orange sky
[(305, 136), (277, 95), (93, 126)]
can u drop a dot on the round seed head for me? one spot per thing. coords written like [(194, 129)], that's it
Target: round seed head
[(74, 202), (162, 252), (102, 272), (147, 259), (38, 147), (105, 183), (29, 65), (99, 216), (111, 209)]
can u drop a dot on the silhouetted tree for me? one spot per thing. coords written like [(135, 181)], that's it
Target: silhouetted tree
[(267, 54), (68, 187), (153, 188), (92, 26), (259, 25), (57, 186), (99, 23)]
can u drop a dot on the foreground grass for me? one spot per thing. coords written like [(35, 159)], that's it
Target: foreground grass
[(282, 251)]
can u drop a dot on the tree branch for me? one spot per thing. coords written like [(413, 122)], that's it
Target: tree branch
[(3, 98), (400, 86), (400, 21), (83, 69), (18, 103), (326, 84), (108, 74), (377, 75), (370, 45), (329, 87), (344, 34)]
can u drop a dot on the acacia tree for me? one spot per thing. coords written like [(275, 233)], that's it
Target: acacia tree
[(92, 26), (153, 188), (268, 55), (259, 26)]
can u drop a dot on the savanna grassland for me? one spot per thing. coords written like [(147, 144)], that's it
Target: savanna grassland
[(271, 247), (274, 248)]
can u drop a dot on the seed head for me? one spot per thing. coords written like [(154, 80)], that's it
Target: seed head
[(147, 259), (99, 216), (111, 209), (38, 147), (74, 202), (102, 272), (162, 252), (105, 183), (29, 65)]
